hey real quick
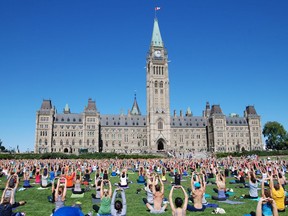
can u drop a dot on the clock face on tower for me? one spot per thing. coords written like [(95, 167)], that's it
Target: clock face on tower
[(157, 53)]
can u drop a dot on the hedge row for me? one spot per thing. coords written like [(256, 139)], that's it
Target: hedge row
[(72, 156), (259, 153)]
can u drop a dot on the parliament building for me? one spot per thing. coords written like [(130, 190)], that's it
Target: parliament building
[(158, 130)]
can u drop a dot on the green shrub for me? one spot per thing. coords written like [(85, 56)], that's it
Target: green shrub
[(245, 153), (72, 156)]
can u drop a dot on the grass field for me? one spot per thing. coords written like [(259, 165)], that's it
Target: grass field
[(38, 205)]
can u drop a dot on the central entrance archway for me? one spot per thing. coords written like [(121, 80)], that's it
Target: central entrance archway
[(66, 150), (160, 145)]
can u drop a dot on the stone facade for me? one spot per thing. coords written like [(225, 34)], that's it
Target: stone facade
[(157, 131)]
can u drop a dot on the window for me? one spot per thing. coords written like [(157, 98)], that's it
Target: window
[(160, 125), (161, 84), (156, 84)]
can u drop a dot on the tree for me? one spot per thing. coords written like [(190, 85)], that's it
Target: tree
[(2, 148), (276, 136)]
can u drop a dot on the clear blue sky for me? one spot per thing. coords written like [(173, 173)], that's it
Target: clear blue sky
[(228, 52)]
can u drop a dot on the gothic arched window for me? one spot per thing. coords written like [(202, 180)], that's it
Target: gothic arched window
[(160, 125), (156, 84), (161, 84)]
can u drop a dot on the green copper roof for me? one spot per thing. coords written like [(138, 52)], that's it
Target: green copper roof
[(156, 36)]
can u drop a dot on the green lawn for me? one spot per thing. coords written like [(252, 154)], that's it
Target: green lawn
[(37, 203)]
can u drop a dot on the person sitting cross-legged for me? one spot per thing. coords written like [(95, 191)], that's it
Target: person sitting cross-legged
[(158, 192), (77, 185), (198, 191), (221, 188), (106, 194)]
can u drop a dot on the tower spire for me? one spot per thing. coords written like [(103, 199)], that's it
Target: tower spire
[(156, 35), (135, 108)]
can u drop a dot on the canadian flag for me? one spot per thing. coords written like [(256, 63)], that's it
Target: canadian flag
[(157, 8)]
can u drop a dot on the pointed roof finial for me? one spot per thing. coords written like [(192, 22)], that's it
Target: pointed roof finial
[(156, 35), (135, 108), (66, 109), (188, 112)]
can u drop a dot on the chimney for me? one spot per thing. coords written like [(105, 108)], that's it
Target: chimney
[(174, 113)]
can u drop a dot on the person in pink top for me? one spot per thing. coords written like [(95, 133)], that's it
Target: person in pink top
[(37, 177)]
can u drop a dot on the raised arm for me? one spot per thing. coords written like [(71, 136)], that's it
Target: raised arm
[(7, 183), (277, 174), (113, 199), (101, 189), (263, 188), (110, 189), (124, 205), (192, 183), (17, 181), (2, 198), (259, 207), (274, 208), (271, 184), (184, 207), (249, 176), (171, 199), (153, 185), (64, 190), (203, 183), (162, 185), (57, 189)]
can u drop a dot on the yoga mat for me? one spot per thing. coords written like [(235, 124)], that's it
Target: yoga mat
[(96, 201), (257, 199), (231, 202), (21, 189), (211, 205), (207, 196), (77, 195), (40, 188), (230, 193)]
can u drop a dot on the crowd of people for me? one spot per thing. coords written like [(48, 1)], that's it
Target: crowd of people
[(81, 176)]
